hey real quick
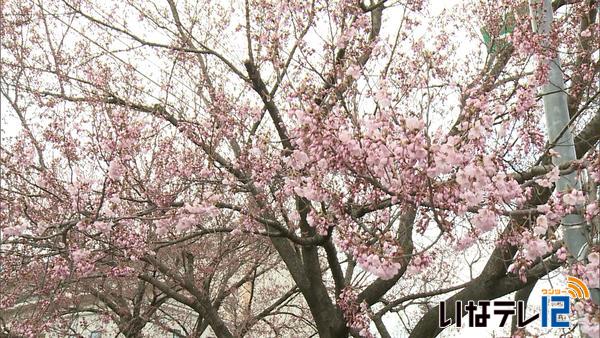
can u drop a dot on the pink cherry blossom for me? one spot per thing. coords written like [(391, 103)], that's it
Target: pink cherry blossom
[(575, 197), (354, 313), (382, 268), (562, 253), (549, 178), (413, 123), (590, 326), (536, 248), (16, 230), (185, 223), (591, 210), (484, 220), (586, 33), (115, 170), (383, 98), (591, 274), (299, 160), (541, 225), (354, 71), (162, 226), (103, 227)]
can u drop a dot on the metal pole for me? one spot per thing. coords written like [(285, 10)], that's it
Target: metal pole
[(556, 109)]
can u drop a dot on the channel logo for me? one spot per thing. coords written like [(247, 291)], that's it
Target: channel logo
[(555, 311), (577, 289), (556, 305)]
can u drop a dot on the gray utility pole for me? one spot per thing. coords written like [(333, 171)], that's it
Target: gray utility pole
[(560, 135)]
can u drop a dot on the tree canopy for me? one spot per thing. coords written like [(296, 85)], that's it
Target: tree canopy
[(288, 168)]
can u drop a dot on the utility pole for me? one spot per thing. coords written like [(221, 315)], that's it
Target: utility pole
[(575, 228)]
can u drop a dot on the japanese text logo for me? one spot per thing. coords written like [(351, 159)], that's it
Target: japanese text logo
[(555, 308)]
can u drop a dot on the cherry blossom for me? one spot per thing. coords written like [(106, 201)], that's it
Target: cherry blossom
[(536, 248)]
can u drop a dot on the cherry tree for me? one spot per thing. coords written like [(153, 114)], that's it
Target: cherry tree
[(290, 168)]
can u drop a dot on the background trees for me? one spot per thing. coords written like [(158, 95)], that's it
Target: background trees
[(346, 162)]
